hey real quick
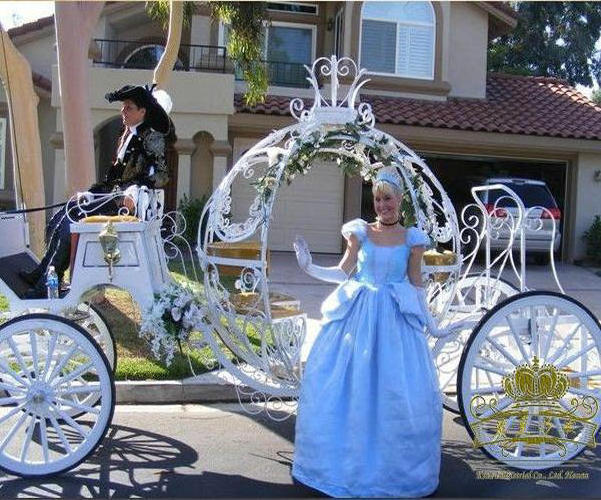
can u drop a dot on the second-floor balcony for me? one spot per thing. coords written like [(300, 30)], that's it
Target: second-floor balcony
[(211, 58), (145, 55)]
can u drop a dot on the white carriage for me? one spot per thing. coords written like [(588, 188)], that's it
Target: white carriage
[(522, 367)]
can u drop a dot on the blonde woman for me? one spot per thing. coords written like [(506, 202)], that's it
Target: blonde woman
[(370, 412)]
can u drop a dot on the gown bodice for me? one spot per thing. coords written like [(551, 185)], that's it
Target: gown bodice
[(377, 264)]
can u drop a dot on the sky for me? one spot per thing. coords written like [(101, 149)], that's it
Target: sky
[(16, 13)]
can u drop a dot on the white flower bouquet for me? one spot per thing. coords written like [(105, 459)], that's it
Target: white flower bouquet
[(175, 313)]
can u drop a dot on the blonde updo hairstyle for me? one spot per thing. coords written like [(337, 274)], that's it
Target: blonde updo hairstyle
[(388, 183)]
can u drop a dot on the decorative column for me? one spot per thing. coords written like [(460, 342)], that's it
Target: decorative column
[(221, 150), (184, 148)]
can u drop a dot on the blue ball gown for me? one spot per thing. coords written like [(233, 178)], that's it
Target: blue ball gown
[(370, 412)]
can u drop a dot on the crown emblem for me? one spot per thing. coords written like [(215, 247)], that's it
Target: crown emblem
[(533, 413), (534, 383)]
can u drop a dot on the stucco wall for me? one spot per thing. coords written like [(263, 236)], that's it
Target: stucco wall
[(586, 199), (41, 53), (467, 43)]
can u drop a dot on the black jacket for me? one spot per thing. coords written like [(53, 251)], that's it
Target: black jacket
[(143, 163)]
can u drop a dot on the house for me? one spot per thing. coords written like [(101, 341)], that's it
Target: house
[(429, 88)]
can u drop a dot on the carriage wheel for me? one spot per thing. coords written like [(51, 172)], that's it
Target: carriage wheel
[(89, 317), (537, 417), (474, 296), (46, 361)]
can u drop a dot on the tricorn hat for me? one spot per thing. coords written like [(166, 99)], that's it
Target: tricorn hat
[(143, 97)]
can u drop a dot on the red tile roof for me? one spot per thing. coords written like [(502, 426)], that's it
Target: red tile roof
[(513, 105), (38, 24)]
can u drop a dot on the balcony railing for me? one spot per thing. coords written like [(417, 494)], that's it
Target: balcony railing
[(284, 74), (145, 55)]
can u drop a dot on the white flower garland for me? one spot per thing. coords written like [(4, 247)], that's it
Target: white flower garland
[(176, 312)]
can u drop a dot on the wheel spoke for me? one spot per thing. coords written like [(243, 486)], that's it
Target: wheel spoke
[(73, 375), (44, 439), (487, 369), (61, 434), (516, 337), (61, 364), (503, 351), (83, 389), (33, 342), (17, 409), (49, 355), (11, 399), (564, 346), (17, 425), (11, 388), (9, 371), (20, 360), (552, 326), (28, 437), (587, 348), (79, 406), (496, 389), (72, 423)]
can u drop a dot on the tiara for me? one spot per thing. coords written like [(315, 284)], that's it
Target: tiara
[(390, 178)]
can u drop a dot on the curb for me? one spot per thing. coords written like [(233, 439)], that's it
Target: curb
[(212, 387), (174, 392)]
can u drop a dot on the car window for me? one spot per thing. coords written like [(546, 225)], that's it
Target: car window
[(531, 194)]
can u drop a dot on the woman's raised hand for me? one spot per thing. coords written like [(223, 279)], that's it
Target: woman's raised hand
[(303, 256)]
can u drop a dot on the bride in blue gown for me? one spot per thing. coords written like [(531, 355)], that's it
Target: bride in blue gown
[(370, 411)]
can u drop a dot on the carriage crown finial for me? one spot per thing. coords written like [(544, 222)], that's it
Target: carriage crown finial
[(334, 101)]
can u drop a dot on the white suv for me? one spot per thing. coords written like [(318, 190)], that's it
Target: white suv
[(533, 193)]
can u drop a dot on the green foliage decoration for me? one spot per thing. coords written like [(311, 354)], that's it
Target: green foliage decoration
[(192, 209)]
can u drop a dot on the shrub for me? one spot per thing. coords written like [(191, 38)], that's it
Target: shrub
[(192, 209), (593, 240)]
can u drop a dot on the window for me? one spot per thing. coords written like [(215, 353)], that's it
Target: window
[(147, 57), (287, 47), (338, 33), (297, 8), (397, 38)]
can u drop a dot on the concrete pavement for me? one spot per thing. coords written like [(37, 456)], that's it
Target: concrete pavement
[(209, 451)]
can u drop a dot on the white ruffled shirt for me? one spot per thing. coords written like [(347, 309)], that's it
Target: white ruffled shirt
[(132, 131)]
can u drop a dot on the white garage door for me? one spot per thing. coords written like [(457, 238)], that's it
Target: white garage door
[(311, 206)]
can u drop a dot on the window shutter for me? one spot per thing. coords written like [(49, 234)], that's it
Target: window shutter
[(415, 51), (378, 46)]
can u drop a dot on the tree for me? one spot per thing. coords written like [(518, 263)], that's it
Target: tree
[(596, 96), (245, 22), (551, 39)]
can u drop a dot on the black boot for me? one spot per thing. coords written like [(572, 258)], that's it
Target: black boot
[(38, 290)]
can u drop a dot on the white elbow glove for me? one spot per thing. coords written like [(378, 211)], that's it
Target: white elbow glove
[(303, 256), (430, 321)]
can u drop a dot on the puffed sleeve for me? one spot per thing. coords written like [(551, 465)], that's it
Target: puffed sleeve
[(358, 227), (416, 237)]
